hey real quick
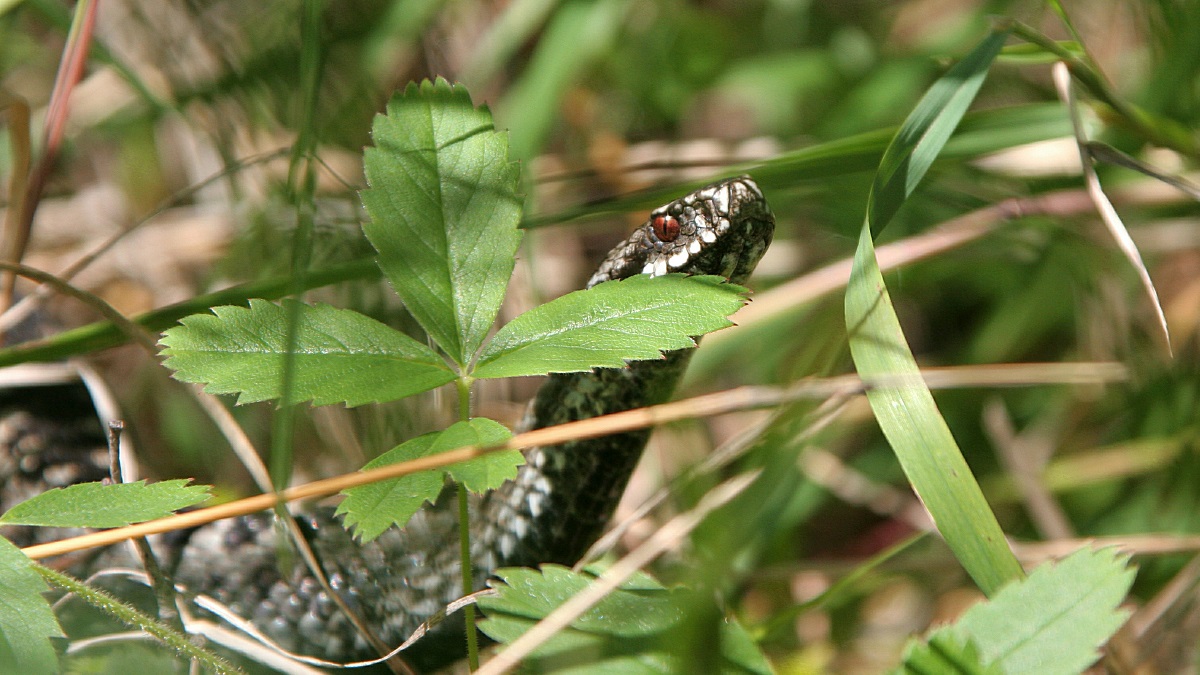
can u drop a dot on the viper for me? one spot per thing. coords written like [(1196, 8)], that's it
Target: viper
[(558, 504)]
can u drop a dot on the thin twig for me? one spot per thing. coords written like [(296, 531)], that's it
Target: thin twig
[(733, 400), (164, 591), (1021, 457), (1108, 213)]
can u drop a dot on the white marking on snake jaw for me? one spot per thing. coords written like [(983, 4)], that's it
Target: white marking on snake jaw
[(660, 268), (694, 247), (708, 236), (720, 200), (678, 259), (648, 269)]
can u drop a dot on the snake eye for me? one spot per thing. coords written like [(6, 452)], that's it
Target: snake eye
[(666, 228)]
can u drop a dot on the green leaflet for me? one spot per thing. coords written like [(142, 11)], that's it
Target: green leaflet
[(373, 508), (614, 322), (629, 631), (340, 355), (100, 505), (444, 212), (1051, 623), (26, 619)]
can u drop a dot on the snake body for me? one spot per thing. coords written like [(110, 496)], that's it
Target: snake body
[(557, 505)]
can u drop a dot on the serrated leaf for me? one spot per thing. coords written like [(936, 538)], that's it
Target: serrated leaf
[(444, 211), (1051, 623), (372, 509), (947, 652), (629, 631), (1055, 621), (489, 471), (609, 324), (101, 505), (340, 356), (641, 607), (26, 620)]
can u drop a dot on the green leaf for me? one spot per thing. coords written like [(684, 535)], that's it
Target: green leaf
[(340, 355), (609, 324), (101, 505), (905, 410), (26, 620), (629, 631), (1052, 623), (1055, 621), (641, 607), (925, 131), (947, 653), (371, 509), (489, 471), (444, 212)]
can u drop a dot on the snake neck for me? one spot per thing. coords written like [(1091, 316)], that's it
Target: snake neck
[(563, 496)]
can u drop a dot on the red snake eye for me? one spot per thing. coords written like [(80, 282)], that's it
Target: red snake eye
[(666, 228)]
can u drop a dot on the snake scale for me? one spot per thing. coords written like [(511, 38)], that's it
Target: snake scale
[(551, 512)]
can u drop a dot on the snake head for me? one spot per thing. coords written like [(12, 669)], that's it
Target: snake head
[(722, 228)]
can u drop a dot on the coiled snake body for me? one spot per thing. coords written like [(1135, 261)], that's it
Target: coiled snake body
[(558, 504)]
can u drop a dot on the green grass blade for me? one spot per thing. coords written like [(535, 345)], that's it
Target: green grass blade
[(511, 30), (926, 130), (979, 133), (905, 410)]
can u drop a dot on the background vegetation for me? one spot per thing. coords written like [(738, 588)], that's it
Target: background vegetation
[(220, 143)]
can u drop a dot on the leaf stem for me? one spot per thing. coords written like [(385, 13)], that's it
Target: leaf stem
[(136, 618), (464, 534), (1154, 128)]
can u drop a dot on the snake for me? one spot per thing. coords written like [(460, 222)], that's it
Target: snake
[(557, 505)]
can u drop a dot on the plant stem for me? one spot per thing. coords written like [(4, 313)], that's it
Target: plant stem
[(131, 616), (464, 535), (1154, 128)]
